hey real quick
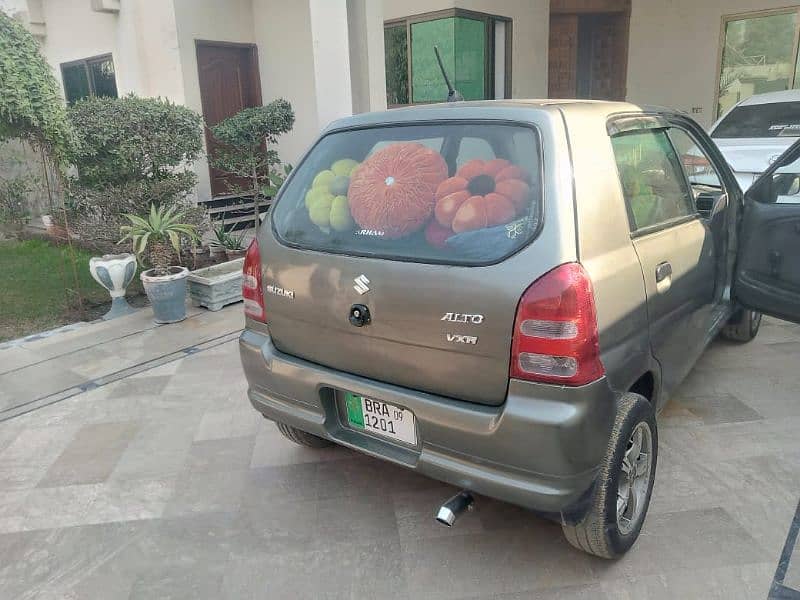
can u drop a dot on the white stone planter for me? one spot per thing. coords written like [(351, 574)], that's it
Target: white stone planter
[(115, 273), (218, 285)]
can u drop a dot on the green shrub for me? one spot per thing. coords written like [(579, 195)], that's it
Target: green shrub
[(30, 102), (132, 139), (13, 200), (245, 152), (130, 153)]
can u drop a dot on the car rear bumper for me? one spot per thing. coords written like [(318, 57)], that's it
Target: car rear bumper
[(541, 449)]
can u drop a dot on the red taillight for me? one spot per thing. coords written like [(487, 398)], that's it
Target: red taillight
[(555, 333), (252, 290)]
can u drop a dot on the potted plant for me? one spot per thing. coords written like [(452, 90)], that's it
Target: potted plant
[(235, 246), (159, 235), (217, 245)]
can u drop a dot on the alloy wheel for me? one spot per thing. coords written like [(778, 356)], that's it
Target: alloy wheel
[(634, 478)]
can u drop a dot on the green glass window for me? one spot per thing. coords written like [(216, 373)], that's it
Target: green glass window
[(466, 42), (759, 55), (89, 77)]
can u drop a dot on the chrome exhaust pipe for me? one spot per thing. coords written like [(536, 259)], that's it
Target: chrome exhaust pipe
[(452, 509)]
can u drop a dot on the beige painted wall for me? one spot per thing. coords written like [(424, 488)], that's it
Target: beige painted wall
[(330, 42), (367, 65), (529, 40), (74, 31), (229, 21), (674, 51), (141, 38), (13, 7), (286, 60)]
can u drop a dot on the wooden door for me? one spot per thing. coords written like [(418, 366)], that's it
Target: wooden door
[(609, 57), (229, 82), (563, 61)]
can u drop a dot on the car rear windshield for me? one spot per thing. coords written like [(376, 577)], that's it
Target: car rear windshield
[(456, 193), (780, 119)]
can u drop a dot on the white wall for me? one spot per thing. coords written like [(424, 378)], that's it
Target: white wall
[(674, 51), (367, 64), (154, 35), (210, 20), (286, 60), (75, 31), (13, 7), (531, 26), (331, 49)]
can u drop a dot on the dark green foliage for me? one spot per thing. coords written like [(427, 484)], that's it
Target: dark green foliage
[(131, 152), (251, 127), (245, 152), (13, 197), (30, 103), (122, 140)]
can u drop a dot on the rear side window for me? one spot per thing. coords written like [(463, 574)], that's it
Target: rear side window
[(697, 165), (456, 193), (652, 178), (779, 119)]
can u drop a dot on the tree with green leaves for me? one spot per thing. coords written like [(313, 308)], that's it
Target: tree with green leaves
[(31, 108), (245, 149)]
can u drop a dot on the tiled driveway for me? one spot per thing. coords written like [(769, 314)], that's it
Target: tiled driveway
[(165, 483)]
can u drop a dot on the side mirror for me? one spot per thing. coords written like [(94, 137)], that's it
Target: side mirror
[(778, 188), (772, 186)]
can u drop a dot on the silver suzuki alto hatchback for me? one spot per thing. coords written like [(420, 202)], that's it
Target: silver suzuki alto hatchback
[(502, 295)]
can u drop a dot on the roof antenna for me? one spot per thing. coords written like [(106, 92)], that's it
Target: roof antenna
[(452, 93)]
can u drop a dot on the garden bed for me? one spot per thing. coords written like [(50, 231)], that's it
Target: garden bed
[(35, 274)]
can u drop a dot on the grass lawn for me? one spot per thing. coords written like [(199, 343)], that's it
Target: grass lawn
[(32, 298)]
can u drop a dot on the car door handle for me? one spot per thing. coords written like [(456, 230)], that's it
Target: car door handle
[(663, 277), (663, 271)]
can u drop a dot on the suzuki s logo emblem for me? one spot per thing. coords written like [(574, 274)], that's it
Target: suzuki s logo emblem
[(362, 284)]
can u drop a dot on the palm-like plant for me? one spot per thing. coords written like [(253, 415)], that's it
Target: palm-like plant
[(159, 235)]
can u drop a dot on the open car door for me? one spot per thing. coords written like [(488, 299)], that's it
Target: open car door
[(767, 277)]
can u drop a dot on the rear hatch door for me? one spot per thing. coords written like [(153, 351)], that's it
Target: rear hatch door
[(360, 225)]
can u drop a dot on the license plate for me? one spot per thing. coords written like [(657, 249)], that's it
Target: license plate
[(380, 418)]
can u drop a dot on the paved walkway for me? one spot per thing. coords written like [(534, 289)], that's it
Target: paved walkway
[(132, 466)]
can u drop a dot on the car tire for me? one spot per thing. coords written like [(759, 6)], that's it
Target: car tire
[(298, 436), (606, 530), (743, 326)]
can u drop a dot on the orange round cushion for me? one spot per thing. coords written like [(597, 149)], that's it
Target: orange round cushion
[(482, 194), (394, 190), (483, 211)]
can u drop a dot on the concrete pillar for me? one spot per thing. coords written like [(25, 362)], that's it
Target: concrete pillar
[(367, 64), (325, 57), (331, 51)]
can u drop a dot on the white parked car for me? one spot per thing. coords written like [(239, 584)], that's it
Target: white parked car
[(755, 132)]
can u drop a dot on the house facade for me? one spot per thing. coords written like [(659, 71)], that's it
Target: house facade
[(331, 58)]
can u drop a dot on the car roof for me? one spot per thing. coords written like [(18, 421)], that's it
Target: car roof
[(489, 109), (772, 98)]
